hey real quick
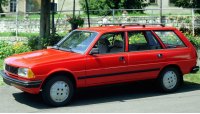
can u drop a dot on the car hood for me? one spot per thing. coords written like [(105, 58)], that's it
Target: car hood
[(30, 59)]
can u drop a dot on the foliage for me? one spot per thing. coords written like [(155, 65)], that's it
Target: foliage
[(1, 68), (35, 42), (7, 49), (104, 6), (20, 34), (1, 64), (195, 40), (187, 3), (2, 2), (76, 20), (136, 38)]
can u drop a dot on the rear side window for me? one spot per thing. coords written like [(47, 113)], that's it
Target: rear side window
[(142, 40), (170, 39)]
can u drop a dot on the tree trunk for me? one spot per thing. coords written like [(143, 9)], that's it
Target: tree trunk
[(44, 20)]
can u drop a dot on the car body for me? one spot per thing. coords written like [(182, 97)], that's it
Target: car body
[(103, 55)]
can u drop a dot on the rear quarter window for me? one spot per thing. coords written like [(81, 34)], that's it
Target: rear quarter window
[(170, 39)]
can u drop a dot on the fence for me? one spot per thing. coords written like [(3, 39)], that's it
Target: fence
[(30, 22)]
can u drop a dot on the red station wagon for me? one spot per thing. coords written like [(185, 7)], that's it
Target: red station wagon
[(103, 55)]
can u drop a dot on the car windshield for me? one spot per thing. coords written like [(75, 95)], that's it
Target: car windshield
[(77, 41)]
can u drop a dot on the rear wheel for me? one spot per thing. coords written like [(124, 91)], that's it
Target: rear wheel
[(58, 91), (169, 80)]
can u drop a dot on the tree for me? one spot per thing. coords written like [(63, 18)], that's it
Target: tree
[(45, 20), (106, 5), (187, 3), (3, 2)]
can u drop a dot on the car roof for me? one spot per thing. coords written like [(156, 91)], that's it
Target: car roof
[(114, 28)]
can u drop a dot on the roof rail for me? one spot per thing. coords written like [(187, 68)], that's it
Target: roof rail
[(133, 24)]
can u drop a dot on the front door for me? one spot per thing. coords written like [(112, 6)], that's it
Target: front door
[(110, 64)]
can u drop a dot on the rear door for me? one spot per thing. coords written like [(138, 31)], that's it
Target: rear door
[(146, 56)]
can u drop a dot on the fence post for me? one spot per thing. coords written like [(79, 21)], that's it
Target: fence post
[(193, 22), (17, 10), (161, 11), (113, 14)]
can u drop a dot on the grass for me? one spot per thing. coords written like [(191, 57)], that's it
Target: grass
[(21, 34), (28, 35), (195, 78), (1, 67)]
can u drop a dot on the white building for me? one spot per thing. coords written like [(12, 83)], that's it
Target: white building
[(167, 6), (64, 5)]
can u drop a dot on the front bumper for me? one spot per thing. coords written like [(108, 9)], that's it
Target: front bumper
[(26, 84), (194, 69)]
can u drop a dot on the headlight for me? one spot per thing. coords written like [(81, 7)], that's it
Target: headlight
[(25, 72)]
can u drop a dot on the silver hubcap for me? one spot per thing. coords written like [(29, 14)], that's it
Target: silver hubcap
[(170, 79), (59, 91)]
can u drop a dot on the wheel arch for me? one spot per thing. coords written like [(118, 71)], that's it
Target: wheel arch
[(61, 73), (173, 66)]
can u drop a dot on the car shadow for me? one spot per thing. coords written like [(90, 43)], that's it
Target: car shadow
[(103, 94)]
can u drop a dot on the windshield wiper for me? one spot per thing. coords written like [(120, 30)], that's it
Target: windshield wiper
[(65, 49), (69, 49)]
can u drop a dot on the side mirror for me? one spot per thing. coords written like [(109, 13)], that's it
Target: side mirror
[(94, 51)]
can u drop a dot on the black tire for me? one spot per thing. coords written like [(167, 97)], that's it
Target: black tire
[(169, 80), (51, 98)]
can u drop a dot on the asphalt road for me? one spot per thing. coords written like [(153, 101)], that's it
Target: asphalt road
[(132, 97)]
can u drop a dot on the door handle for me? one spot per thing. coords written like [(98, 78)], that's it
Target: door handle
[(160, 55), (121, 58)]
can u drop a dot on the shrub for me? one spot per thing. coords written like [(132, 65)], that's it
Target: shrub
[(195, 40), (7, 49), (36, 42), (105, 6)]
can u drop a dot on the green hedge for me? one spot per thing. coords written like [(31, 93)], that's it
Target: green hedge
[(195, 40), (7, 49), (35, 42)]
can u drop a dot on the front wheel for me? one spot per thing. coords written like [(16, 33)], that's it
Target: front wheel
[(169, 80), (58, 91)]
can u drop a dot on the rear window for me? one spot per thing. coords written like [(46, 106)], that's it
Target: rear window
[(170, 39)]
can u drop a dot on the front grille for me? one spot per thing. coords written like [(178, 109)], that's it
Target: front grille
[(11, 69)]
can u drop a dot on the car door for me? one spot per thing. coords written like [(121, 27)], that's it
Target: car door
[(111, 63), (145, 55)]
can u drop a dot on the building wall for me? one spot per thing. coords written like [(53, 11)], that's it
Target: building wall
[(22, 6), (25, 6), (68, 5)]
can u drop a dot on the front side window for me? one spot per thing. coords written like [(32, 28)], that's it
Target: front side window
[(111, 43), (170, 39), (77, 41), (142, 40)]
